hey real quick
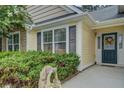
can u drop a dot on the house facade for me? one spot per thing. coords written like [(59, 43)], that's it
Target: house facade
[(96, 37), (60, 29)]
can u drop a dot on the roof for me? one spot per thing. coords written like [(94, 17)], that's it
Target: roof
[(108, 13)]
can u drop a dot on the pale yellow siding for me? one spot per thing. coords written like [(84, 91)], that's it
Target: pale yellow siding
[(88, 45)]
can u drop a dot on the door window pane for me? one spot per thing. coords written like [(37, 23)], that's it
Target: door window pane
[(109, 42)]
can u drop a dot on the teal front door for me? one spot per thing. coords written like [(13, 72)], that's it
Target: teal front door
[(109, 48)]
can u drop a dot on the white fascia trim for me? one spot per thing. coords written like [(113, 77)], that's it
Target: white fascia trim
[(67, 9), (105, 26), (75, 9), (91, 18), (109, 23), (59, 20), (74, 17)]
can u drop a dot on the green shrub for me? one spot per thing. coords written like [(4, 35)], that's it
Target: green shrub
[(22, 69)]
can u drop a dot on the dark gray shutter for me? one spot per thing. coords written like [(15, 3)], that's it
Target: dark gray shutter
[(39, 41), (72, 39)]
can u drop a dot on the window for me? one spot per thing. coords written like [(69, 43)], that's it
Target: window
[(39, 41), (13, 42), (120, 41), (72, 39), (47, 41), (60, 40), (57, 40), (98, 42)]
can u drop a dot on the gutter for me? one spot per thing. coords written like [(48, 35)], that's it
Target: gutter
[(66, 18), (109, 23), (58, 20)]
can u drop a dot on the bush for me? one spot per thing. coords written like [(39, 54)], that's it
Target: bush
[(22, 69)]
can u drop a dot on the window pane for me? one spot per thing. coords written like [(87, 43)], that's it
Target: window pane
[(120, 41), (48, 47), (47, 36), (10, 39), (16, 47), (16, 38), (39, 41), (13, 42), (60, 48), (98, 42), (60, 34), (72, 39), (10, 47)]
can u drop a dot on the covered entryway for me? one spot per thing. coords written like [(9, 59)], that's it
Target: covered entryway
[(98, 77), (109, 48)]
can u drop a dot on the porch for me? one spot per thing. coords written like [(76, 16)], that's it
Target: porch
[(98, 76)]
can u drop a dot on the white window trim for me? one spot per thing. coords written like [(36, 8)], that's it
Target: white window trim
[(53, 43), (42, 39), (12, 33)]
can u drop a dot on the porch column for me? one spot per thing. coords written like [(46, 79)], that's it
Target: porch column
[(79, 43)]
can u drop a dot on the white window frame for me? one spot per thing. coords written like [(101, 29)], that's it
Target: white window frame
[(57, 42), (12, 33), (42, 38), (53, 43)]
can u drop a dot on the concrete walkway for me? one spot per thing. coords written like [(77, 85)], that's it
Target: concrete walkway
[(98, 77)]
